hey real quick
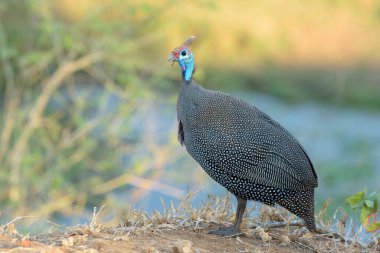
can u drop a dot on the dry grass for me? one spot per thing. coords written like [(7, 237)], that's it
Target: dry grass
[(184, 229)]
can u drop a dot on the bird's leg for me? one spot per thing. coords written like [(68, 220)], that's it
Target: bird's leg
[(235, 229), (242, 203)]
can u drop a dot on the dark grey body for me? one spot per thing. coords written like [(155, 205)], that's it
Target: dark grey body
[(245, 150)]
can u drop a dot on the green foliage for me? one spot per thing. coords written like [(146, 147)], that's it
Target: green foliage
[(368, 204), (69, 91)]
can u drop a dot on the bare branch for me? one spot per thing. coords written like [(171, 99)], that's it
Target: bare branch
[(138, 182), (49, 87), (16, 219), (11, 98)]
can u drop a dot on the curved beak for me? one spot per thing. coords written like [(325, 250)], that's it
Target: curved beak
[(172, 58)]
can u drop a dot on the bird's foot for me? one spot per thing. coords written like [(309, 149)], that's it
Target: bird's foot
[(227, 232)]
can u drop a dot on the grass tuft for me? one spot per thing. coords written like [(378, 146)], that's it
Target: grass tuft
[(268, 227)]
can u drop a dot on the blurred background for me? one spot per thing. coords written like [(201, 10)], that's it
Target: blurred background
[(87, 96)]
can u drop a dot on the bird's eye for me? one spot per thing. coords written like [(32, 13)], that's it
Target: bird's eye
[(183, 53)]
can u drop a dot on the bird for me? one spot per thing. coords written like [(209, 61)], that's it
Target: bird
[(242, 148)]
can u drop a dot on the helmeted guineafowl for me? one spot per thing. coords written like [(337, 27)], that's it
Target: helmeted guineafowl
[(242, 148)]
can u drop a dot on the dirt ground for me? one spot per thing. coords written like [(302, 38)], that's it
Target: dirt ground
[(165, 238)]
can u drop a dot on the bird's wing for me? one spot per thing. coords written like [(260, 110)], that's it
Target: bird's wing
[(251, 145), (302, 151)]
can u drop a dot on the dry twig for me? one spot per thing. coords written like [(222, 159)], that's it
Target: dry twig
[(16, 219)]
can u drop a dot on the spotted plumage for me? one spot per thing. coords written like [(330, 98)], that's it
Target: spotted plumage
[(243, 149)]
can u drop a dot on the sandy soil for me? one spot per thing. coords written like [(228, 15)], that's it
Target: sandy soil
[(165, 238)]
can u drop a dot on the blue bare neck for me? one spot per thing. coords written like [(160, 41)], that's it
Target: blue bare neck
[(187, 68)]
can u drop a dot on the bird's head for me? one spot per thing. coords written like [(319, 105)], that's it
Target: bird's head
[(184, 57)]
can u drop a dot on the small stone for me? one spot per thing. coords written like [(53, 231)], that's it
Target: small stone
[(265, 237), (184, 246), (307, 235), (79, 239), (152, 250), (25, 243), (68, 242), (284, 240)]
